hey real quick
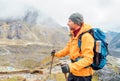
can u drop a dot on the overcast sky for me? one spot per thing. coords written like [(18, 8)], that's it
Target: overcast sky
[(99, 13)]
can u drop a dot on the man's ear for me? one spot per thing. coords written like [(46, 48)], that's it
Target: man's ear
[(82, 23)]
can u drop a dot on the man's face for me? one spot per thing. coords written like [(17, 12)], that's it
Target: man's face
[(71, 24)]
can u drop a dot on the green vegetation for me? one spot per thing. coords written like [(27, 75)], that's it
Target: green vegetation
[(95, 78), (16, 78), (28, 63), (60, 77), (45, 63), (57, 77)]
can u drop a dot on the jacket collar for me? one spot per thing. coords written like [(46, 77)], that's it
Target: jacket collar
[(85, 27)]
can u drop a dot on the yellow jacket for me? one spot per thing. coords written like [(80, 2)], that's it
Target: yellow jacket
[(78, 68)]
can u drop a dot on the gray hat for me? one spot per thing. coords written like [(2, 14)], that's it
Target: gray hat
[(77, 18)]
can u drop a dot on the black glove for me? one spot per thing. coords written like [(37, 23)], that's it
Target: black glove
[(53, 53), (65, 68)]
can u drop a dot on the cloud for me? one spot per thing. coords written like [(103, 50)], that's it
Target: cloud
[(99, 13)]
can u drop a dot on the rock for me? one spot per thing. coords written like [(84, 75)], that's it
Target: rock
[(111, 72), (36, 71)]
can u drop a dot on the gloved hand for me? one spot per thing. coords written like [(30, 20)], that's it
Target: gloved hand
[(65, 68), (53, 53)]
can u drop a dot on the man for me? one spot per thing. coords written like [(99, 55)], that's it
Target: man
[(79, 69)]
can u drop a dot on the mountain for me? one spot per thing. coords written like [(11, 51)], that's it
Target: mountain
[(115, 42), (27, 40), (110, 35), (113, 39), (34, 26)]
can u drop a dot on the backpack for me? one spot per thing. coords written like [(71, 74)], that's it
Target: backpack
[(99, 59)]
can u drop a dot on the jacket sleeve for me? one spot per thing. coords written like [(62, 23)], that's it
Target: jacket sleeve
[(64, 51), (87, 53)]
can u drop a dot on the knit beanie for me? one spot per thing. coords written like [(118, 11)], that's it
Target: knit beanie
[(77, 18)]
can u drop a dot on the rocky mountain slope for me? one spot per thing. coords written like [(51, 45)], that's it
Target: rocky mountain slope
[(110, 35), (34, 26), (115, 42), (26, 43), (27, 40)]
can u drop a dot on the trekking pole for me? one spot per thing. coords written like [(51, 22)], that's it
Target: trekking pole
[(65, 76), (51, 64), (52, 53)]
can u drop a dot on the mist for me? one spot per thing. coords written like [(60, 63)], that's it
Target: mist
[(98, 13)]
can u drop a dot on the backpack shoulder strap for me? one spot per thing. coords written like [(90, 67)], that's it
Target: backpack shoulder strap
[(80, 36), (89, 31)]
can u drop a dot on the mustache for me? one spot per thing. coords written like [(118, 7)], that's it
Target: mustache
[(71, 28)]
